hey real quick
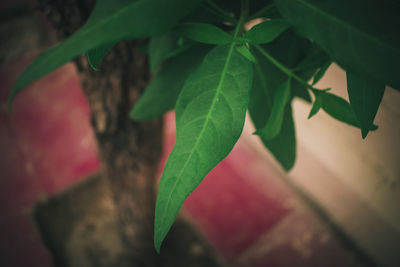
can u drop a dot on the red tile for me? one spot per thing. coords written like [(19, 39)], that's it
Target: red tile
[(46, 145), (50, 121), (231, 211), (19, 188)]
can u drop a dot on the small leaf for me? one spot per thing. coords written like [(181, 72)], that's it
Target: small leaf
[(283, 146), (203, 33), (96, 55), (274, 123), (362, 36), (165, 46), (321, 72), (316, 107), (159, 48), (338, 108), (110, 22), (266, 31), (244, 50), (365, 97), (210, 114), (161, 94)]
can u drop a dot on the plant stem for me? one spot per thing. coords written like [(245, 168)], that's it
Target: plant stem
[(242, 19), (284, 69)]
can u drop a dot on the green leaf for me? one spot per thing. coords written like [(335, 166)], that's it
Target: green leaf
[(210, 114), (365, 97), (283, 146), (314, 60), (289, 49), (203, 33), (362, 36), (111, 21), (161, 94), (244, 50), (321, 72), (266, 31), (165, 46), (316, 107), (96, 55), (160, 47), (338, 108), (274, 123)]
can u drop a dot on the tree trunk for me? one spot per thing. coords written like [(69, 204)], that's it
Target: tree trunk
[(130, 151)]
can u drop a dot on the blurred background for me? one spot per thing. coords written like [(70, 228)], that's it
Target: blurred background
[(339, 206)]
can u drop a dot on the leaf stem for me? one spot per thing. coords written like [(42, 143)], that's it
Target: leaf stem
[(284, 69), (242, 19)]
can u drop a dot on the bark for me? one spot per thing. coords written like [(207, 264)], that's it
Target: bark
[(130, 151)]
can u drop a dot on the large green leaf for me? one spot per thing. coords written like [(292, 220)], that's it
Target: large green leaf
[(266, 31), (203, 33), (363, 36), (274, 123), (161, 94), (111, 21), (210, 114), (365, 97), (283, 146), (96, 55)]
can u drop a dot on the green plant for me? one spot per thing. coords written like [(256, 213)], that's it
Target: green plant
[(211, 70)]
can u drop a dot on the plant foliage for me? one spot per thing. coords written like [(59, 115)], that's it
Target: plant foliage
[(210, 70)]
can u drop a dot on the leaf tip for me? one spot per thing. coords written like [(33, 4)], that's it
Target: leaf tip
[(94, 67), (92, 64), (287, 166), (133, 115), (10, 100), (158, 238), (157, 247), (364, 133)]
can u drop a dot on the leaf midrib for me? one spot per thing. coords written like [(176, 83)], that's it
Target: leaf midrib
[(347, 25), (207, 119)]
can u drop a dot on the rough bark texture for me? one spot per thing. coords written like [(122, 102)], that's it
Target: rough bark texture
[(130, 151)]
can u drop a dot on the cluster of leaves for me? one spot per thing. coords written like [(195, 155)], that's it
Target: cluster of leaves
[(211, 71)]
